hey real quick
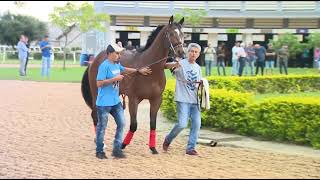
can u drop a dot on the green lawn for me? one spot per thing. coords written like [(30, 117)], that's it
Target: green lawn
[(37, 61), (71, 74), (74, 74)]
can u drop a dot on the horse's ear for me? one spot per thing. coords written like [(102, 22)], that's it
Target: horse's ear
[(171, 20), (181, 21)]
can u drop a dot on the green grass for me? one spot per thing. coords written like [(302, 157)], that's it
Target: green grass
[(73, 74), (261, 97), (37, 61)]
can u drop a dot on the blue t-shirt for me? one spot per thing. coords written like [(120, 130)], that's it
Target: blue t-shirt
[(108, 95), (45, 51)]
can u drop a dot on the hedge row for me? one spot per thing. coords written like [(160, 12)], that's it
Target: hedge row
[(282, 119), (265, 84)]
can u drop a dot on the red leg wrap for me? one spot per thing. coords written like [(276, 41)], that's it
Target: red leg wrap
[(128, 138), (152, 139)]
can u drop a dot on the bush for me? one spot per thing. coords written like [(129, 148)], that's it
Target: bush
[(262, 85), (281, 119)]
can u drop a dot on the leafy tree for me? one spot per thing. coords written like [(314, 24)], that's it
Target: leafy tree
[(314, 40), (193, 17), (12, 26), (84, 17), (295, 47)]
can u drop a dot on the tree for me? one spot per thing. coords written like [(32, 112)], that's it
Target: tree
[(12, 26), (192, 16), (314, 40), (84, 17), (295, 47)]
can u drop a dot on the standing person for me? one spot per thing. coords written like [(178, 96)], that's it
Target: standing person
[(27, 60), (220, 60), (304, 57), (187, 72), (22, 54), (108, 101), (119, 44), (235, 59), (242, 58), (261, 56), (283, 56), (317, 57), (251, 58), (130, 47), (270, 58), (46, 60), (210, 55)]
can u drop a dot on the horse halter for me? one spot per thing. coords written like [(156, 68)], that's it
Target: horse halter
[(171, 46)]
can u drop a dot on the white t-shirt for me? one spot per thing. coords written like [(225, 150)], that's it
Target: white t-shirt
[(186, 73), (235, 50)]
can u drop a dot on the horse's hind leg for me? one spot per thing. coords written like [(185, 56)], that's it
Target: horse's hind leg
[(154, 108), (95, 121), (133, 108)]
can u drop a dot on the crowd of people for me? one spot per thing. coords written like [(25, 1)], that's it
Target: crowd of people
[(247, 59)]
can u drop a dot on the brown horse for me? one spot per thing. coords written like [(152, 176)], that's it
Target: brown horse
[(138, 87)]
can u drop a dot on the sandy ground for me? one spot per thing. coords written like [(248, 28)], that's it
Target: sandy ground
[(46, 132)]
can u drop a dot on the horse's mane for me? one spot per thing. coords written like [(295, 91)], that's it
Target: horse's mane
[(151, 38)]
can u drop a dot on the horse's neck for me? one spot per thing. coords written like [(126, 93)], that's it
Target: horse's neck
[(156, 52)]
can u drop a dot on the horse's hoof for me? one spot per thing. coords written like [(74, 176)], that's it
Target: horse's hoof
[(123, 146), (154, 151)]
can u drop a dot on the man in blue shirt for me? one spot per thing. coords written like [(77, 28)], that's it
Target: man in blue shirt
[(108, 100), (22, 54), (45, 48)]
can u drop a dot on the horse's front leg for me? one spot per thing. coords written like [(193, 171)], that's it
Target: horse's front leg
[(154, 108), (133, 108)]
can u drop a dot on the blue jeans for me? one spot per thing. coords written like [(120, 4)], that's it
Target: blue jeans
[(186, 111), (269, 64), (46, 61), (249, 63), (235, 67), (118, 114), (208, 67)]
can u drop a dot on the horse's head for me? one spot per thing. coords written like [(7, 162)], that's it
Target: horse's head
[(175, 37)]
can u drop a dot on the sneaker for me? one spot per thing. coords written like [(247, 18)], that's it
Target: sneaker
[(165, 145), (101, 155), (118, 154), (192, 152)]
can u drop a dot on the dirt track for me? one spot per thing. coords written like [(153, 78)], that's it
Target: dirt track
[(46, 132)]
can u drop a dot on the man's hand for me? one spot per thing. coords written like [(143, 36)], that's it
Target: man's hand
[(118, 78), (145, 71)]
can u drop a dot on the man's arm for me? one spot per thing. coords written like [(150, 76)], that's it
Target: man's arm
[(143, 71), (105, 82)]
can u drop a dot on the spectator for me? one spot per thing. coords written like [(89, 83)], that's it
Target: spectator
[(270, 58), (235, 59), (283, 56), (22, 54), (46, 60), (221, 58), (317, 57), (304, 57), (28, 46), (261, 56), (241, 56), (119, 44), (130, 47), (210, 56), (251, 58)]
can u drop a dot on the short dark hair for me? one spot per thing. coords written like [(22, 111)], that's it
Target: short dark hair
[(46, 36)]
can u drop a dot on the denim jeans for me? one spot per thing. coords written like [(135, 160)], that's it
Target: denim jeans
[(235, 67), (249, 63), (118, 114), (186, 111), (242, 63), (270, 64), (45, 71), (22, 68), (208, 67), (221, 63)]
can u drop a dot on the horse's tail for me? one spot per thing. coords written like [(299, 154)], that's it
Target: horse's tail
[(85, 89)]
